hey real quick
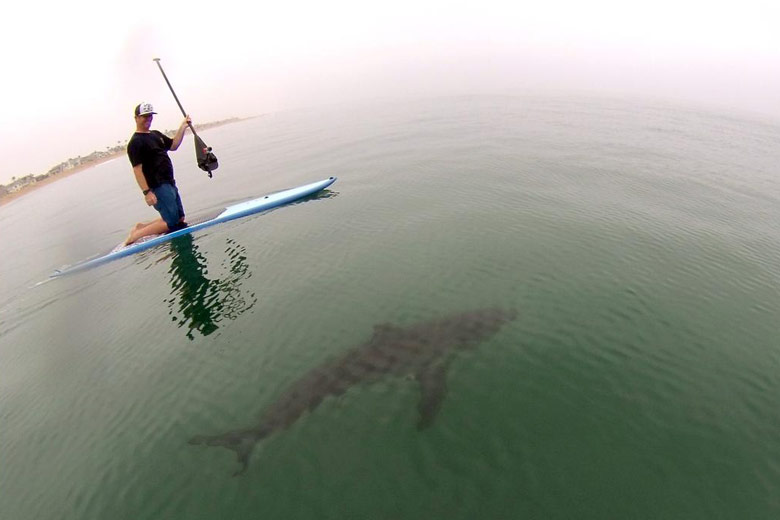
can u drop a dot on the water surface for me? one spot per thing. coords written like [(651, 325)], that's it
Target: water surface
[(639, 244)]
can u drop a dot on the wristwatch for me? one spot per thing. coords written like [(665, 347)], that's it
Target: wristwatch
[(146, 191)]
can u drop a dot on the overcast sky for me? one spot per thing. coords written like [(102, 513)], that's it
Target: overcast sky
[(74, 71)]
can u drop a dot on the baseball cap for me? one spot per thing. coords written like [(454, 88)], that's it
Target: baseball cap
[(144, 109)]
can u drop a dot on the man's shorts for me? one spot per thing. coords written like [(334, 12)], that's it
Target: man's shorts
[(169, 205)]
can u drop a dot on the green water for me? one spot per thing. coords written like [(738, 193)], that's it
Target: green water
[(638, 243)]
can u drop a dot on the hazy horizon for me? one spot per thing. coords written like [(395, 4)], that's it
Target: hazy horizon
[(76, 96)]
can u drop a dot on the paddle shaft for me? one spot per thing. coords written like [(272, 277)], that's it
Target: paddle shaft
[(157, 60), (207, 161)]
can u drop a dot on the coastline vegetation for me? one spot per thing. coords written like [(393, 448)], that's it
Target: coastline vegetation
[(20, 185)]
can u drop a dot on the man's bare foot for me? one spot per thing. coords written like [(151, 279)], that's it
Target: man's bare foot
[(129, 240)]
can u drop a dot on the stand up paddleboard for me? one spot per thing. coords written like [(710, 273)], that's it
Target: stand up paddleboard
[(233, 212)]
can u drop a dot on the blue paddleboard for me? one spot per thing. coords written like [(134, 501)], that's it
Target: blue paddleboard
[(233, 212)]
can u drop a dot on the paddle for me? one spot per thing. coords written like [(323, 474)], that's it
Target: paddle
[(207, 161)]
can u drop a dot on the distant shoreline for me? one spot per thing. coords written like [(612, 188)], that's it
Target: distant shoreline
[(6, 198)]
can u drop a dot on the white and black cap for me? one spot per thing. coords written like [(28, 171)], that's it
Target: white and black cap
[(144, 109)]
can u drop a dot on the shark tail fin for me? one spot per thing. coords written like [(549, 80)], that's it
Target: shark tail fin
[(242, 442)]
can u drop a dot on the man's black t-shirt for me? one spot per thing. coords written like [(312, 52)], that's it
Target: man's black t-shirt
[(151, 152)]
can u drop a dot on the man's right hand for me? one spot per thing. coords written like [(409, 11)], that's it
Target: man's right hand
[(150, 198)]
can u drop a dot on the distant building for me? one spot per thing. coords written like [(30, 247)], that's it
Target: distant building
[(18, 184)]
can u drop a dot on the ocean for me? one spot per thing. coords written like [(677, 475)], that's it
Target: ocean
[(637, 242)]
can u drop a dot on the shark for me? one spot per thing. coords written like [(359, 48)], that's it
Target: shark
[(422, 351)]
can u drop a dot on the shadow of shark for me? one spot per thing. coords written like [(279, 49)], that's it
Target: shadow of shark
[(423, 350)]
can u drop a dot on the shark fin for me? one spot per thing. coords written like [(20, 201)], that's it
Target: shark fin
[(243, 458), (433, 388)]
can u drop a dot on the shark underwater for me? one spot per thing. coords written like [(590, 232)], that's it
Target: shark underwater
[(423, 350)]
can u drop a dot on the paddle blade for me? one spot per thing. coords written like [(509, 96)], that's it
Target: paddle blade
[(207, 161)]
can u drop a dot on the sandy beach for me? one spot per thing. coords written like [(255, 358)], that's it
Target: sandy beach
[(5, 199)]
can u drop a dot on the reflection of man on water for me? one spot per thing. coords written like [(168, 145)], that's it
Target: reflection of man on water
[(198, 302)]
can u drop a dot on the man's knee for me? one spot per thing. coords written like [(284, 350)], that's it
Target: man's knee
[(179, 225)]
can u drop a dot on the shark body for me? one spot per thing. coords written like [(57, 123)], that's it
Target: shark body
[(423, 350)]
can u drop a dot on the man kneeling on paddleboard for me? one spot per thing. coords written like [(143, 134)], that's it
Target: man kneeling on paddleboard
[(148, 153)]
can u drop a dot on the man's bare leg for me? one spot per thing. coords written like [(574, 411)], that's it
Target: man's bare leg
[(142, 224), (143, 229), (134, 230)]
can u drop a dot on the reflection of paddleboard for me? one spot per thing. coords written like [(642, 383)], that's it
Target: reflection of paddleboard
[(235, 211)]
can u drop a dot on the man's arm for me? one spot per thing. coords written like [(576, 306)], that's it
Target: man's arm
[(180, 133), (149, 196)]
